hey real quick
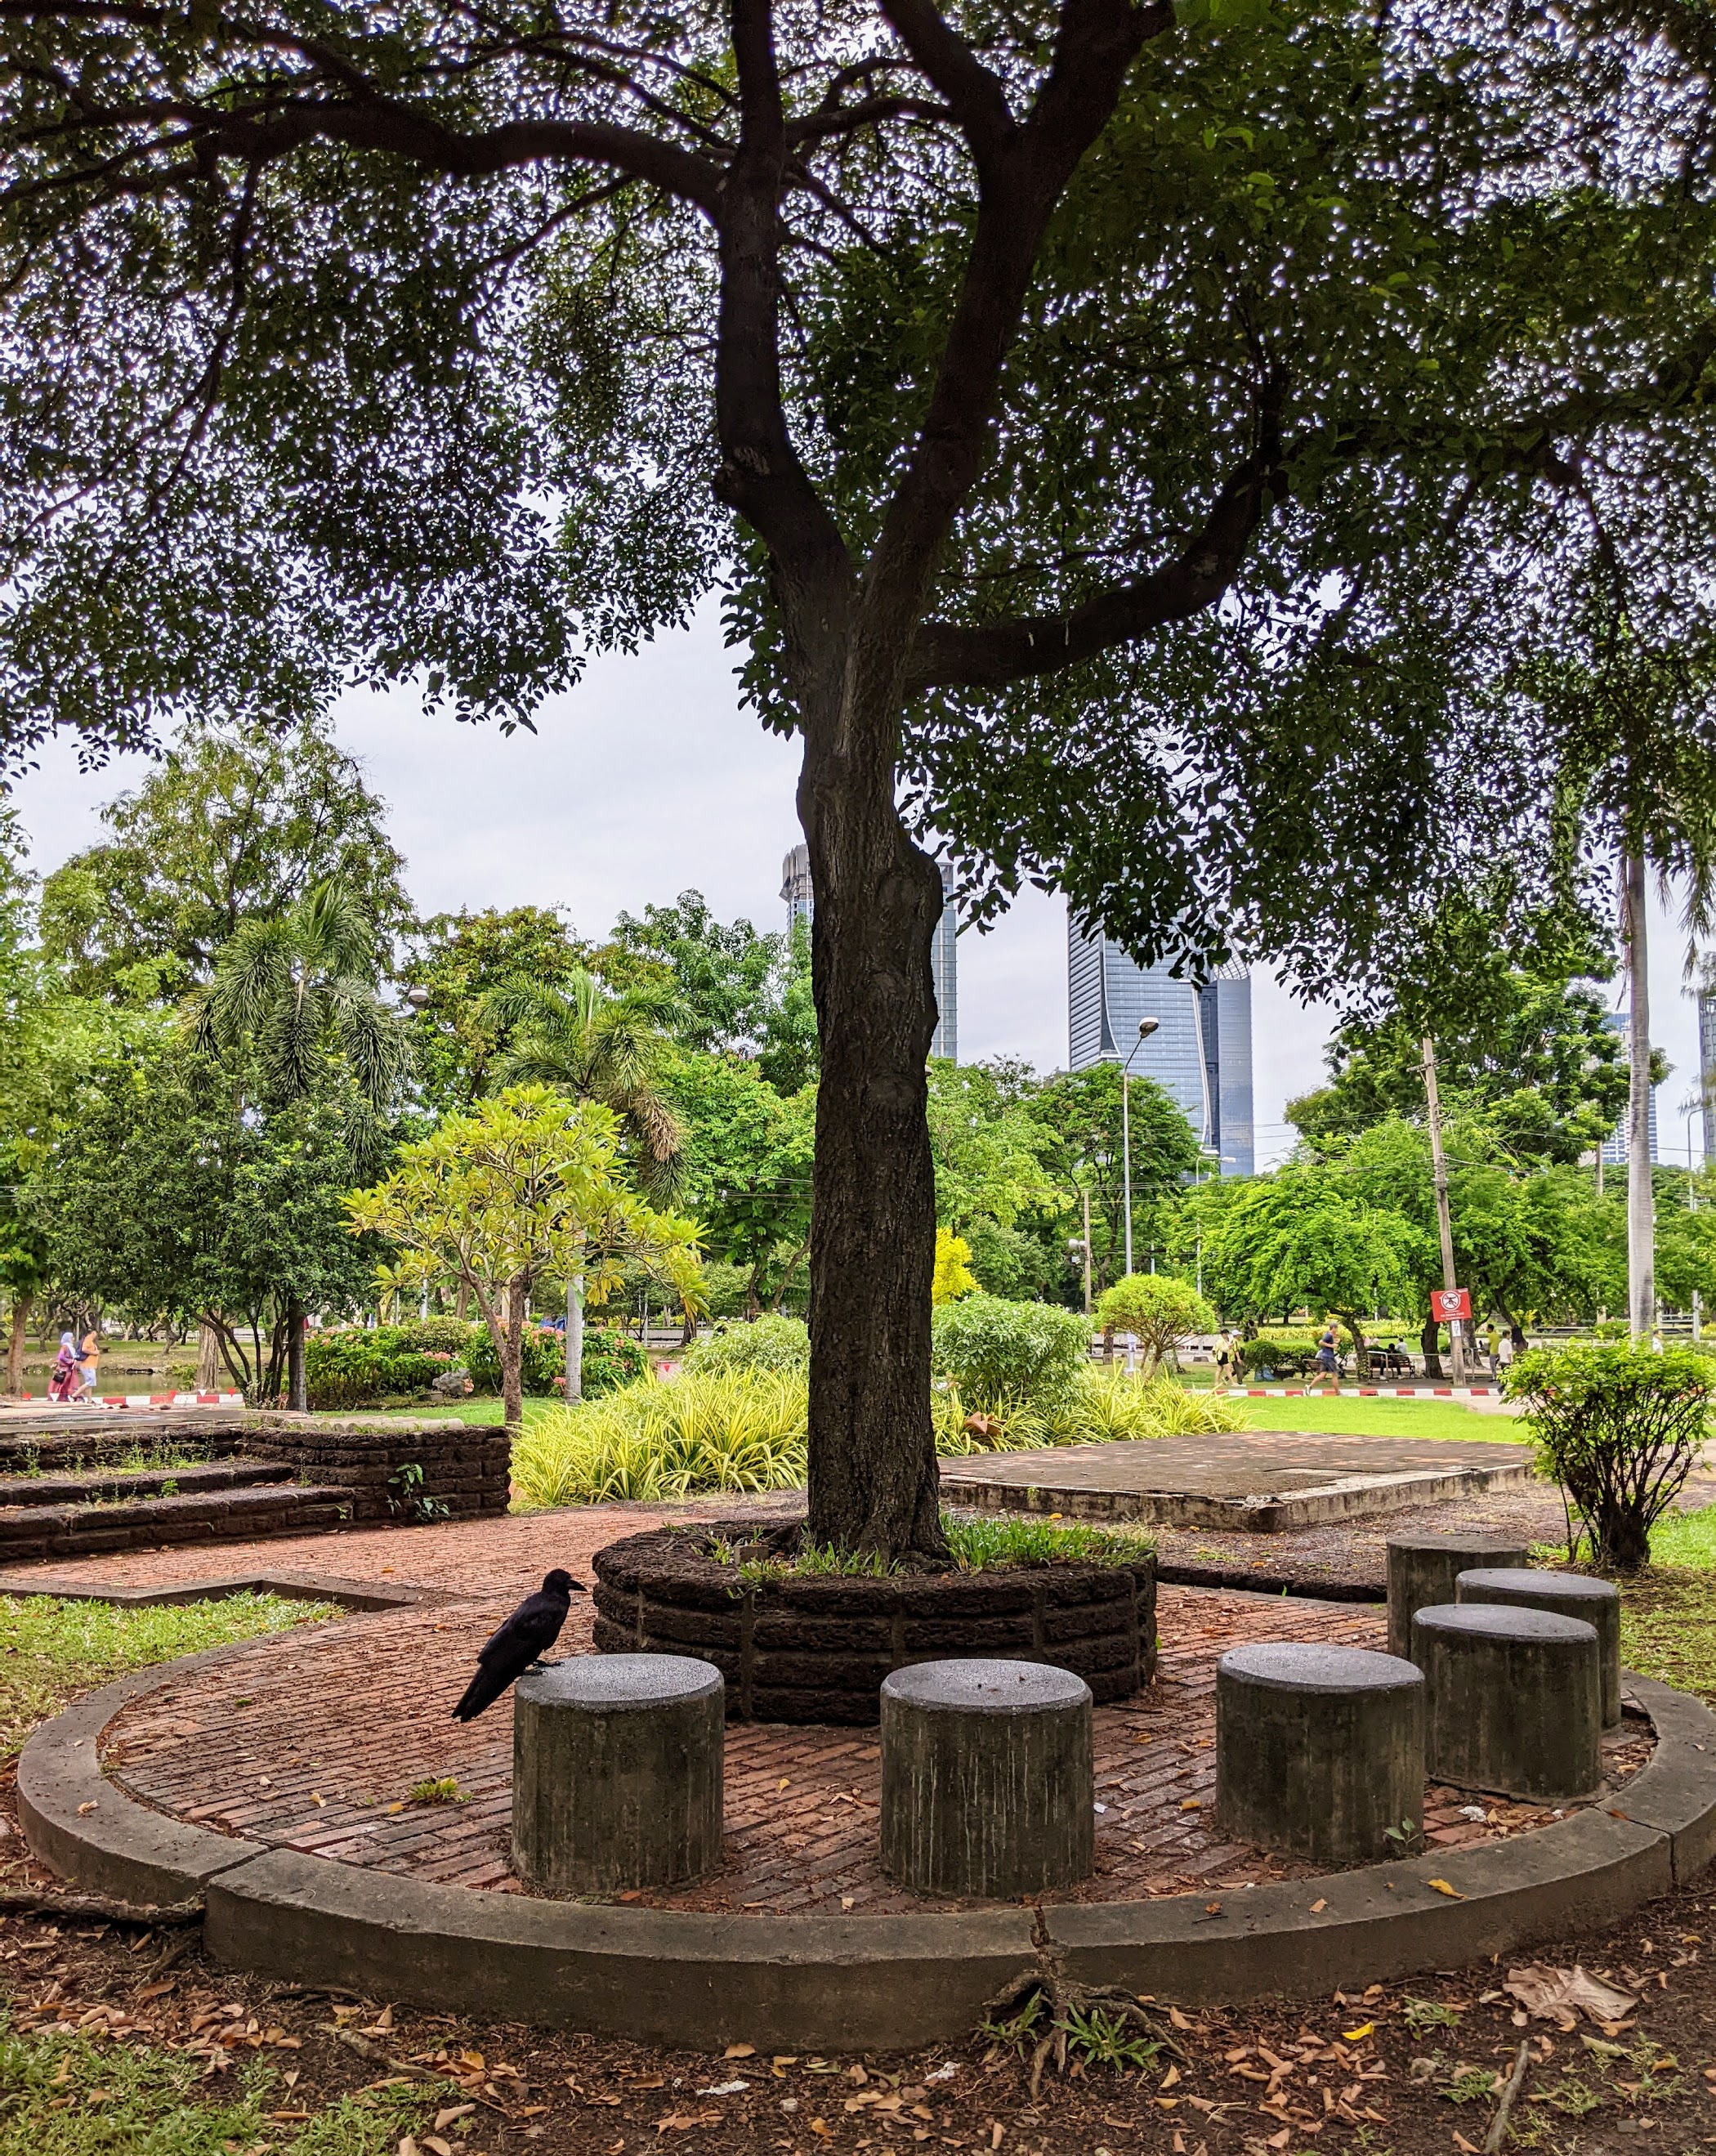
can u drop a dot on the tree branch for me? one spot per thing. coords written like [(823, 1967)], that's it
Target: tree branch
[(945, 656), (974, 95)]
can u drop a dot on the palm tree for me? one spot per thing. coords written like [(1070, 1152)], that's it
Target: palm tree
[(596, 1045), (294, 994)]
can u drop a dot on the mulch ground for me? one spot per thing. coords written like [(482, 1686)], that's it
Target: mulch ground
[(1401, 2071)]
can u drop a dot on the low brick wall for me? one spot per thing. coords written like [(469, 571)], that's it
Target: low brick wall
[(436, 1469)]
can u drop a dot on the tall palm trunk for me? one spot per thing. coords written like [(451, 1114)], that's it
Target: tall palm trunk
[(1641, 1194)]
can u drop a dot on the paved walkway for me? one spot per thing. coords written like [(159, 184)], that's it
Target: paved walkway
[(315, 1739)]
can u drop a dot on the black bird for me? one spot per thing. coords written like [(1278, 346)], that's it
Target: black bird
[(514, 1646)]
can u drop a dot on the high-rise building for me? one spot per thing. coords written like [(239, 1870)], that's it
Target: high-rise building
[(1201, 1051), (1615, 1145), (943, 952)]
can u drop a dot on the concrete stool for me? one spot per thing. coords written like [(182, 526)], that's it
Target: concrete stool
[(987, 1781), (1568, 1595), (617, 1773), (1515, 1699), (1421, 1573), (1319, 1751)]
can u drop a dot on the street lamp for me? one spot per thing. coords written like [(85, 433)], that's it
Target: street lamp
[(416, 997), (1146, 1027)]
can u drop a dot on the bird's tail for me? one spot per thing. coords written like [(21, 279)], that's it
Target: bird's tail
[(483, 1691)]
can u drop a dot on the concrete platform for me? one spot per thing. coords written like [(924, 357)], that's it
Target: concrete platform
[(1260, 1481)]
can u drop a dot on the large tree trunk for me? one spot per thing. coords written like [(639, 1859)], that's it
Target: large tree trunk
[(208, 1358), (16, 1344), (1429, 1345), (873, 1481)]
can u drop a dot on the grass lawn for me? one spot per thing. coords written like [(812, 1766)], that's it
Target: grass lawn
[(481, 1408), (1429, 1419), (51, 1651), (62, 2094)]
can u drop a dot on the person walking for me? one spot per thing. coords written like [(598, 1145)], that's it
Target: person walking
[(1226, 1354), (88, 1358), (63, 1381), (1493, 1349), (1327, 1366)]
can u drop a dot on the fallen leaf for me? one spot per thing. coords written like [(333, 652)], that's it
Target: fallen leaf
[(437, 2145), (1281, 2139), (682, 2121), (1319, 1907), (84, 1809), (1191, 1804), (1443, 1887), (407, 2147), (1357, 2036), (740, 2051), (452, 2114), (1470, 2147), (782, 1783), (1562, 1994), (1170, 2078), (821, 2126), (318, 1799)]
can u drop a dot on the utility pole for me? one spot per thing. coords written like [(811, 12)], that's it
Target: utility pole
[(1146, 1027), (1640, 1197), (1444, 1224), (1077, 1248)]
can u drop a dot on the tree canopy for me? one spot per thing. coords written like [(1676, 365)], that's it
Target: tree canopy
[(235, 825)]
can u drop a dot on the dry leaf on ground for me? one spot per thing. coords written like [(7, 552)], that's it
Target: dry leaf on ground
[(1562, 1994)]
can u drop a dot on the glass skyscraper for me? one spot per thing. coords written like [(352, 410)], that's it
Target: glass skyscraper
[(944, 951), (1201, 1052)]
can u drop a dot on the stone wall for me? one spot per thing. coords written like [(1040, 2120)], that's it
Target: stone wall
[(396, 1468)]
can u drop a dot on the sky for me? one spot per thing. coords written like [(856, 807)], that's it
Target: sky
[(649, 780)]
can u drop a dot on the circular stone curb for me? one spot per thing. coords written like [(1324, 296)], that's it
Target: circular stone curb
[(856, 1983)]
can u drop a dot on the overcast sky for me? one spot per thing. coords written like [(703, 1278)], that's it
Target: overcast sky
[(649, 780)]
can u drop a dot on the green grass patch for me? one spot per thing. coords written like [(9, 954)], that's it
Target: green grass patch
[(62, 2095), (1685, 1539), (977, 1545), (51, 1651), (1380, 1418), (479, 1408), (1668, 1626)]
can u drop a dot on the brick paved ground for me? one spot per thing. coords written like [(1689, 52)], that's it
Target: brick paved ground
[(313, 1740)]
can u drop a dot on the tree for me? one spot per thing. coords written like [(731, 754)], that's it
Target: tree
[(1527, 1048), (1082, 1108), (236, 825), (989, 1149), (1141, 439), (168, 1199), (1160, 1311), (747, 1160), (458, 961), (1307, 1234), (528, 1186), (293, 1009)]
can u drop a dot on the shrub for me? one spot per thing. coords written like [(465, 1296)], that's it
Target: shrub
[(775, 1342), (1162, 1311), (439, 1336), (1027, 1353), (542, 1364), (1620, 1428), (953, 1276), (353, 1367), (610, 1359), (722, 1430)]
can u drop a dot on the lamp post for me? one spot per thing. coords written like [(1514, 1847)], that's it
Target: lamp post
[(1146, 1027)]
